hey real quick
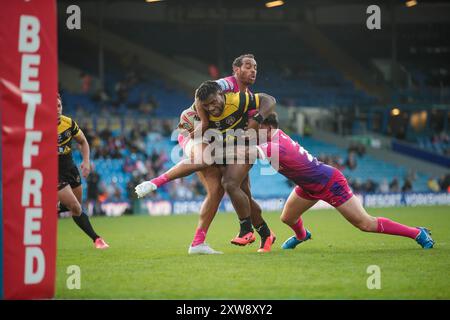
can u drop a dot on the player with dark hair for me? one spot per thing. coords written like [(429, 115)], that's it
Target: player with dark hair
[(225, 112), (244, 69), (318, 181), (69, 181)]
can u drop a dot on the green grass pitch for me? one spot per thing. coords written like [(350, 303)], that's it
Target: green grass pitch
[(148, 259)]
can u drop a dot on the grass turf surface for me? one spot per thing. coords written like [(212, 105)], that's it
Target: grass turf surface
[(148, 259)]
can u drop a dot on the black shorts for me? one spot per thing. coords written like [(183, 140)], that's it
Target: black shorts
[(69, 176)]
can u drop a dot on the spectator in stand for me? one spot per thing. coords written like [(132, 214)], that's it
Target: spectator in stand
[(149, 166), (86, 82), (338, 162), (394, 186), (351, 161), (122, 92), (197, 188), (113, 191), (444, 182), (101, 97), (141, 168), (370, 186), (131, 79), (114, 146), (159, 160), (213, 71), (433, 185), (93, 190), (167, 128), (384, 186), (129, 165), (358, 148), (407, 185), (154, 156), (136, 142), (356, 185), (105, 134), (179, 190), (96, 142), (147, 104), (412, 175)]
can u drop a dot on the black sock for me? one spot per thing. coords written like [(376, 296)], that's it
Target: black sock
[(83, 222), (246, 226), (263, 230), (62, 208)]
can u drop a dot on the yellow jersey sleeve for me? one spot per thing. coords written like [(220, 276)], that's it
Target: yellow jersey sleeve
[(248, 101), (253, 101), (75, 130), (243, 100)]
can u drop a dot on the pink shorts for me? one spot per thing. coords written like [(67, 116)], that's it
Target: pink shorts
[(336, 192)]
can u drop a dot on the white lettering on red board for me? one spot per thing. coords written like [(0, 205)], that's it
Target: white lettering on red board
[(29, 43)]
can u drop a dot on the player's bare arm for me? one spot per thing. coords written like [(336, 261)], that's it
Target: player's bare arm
[(204, 120), (266, 106), (85, 152)]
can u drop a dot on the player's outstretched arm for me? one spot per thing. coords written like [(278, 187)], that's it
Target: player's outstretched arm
[(80, 138)]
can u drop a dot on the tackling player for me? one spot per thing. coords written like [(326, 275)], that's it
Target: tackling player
[(317, 181), (69, 181)]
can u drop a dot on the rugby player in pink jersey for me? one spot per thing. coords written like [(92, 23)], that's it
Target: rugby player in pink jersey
[(318, 181)]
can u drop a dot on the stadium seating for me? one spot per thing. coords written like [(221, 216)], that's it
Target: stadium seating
[(440, 147), (422, 53), (295, 76)]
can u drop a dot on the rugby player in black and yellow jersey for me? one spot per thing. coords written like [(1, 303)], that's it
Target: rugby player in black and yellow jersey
[(70, 191), (225, 112)]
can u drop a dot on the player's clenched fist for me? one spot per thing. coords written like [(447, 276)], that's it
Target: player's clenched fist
[(85, 169)]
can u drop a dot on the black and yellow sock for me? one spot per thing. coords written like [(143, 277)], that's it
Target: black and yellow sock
[(83, 222)]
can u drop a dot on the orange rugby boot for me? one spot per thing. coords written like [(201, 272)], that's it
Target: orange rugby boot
[(267, 245), (245, 240), (100, 244)]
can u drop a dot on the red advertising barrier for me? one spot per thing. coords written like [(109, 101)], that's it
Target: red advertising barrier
[(28, 88)]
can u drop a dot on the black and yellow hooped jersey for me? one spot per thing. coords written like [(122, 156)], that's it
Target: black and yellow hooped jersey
[(67, 129), (235, 112)]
